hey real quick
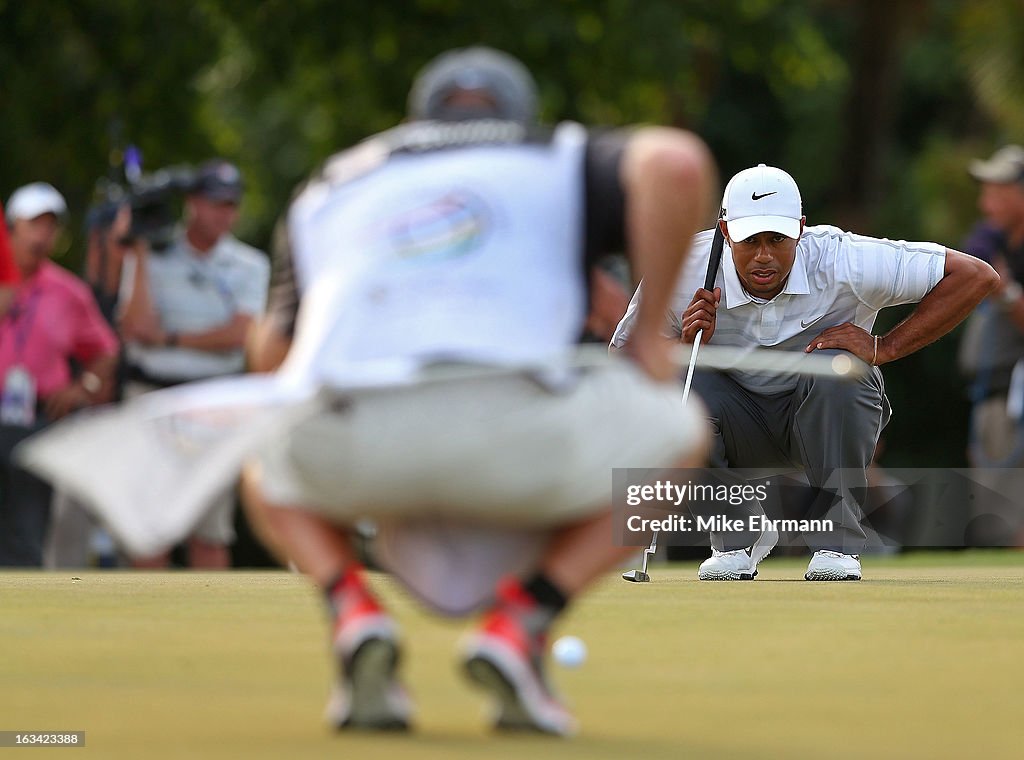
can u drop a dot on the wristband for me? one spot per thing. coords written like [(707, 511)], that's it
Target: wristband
[(874, 354)]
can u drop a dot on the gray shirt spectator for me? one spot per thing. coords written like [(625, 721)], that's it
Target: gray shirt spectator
[(187, 311)]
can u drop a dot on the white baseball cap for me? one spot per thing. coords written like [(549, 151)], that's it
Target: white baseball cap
[(762, 199), (36, 199), (1006, 166)]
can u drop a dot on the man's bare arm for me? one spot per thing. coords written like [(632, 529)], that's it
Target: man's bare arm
[(965, 282), (667, 175)]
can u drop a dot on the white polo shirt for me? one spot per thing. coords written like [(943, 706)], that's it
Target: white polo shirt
[(195, 293), (837, 277)]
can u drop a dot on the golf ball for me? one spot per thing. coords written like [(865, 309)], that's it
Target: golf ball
[(569, 651)]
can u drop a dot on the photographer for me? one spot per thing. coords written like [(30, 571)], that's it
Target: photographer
[(185, 312), (107, 232)]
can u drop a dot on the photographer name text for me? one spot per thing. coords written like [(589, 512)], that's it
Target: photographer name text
[(722, 524)]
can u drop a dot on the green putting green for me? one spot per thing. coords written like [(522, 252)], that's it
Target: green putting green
[(924, 658)]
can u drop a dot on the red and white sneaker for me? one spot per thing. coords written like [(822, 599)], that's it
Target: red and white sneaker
[(367, 694), (505, 657)]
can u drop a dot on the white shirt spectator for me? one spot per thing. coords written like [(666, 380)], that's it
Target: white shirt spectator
[(192, 293)]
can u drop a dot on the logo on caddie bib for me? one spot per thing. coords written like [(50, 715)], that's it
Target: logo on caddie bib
[(452, 224)]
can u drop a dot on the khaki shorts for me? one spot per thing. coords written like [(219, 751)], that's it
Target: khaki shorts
[(500, 449), (998, 434)]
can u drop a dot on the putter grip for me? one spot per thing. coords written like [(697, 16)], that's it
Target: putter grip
[(715, 258)]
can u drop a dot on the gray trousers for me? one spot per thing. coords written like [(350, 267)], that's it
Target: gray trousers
[(828, 428)]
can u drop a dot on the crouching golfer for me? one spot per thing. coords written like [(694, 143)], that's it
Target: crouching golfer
[(455, 249), (788, 287)]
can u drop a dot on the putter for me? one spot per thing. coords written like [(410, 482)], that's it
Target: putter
[(714, 259), (641, 576)]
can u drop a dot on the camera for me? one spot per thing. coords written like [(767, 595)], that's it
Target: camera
[(154, 203)]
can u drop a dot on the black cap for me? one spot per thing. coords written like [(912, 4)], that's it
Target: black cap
[(504, 78), (218, 180)]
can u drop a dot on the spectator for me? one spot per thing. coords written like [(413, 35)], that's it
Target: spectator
[(608, 299), (75, 539), (52, 321), (107, 229), (186, 311), (992, 349)]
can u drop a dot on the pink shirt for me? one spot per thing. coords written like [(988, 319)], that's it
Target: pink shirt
[(54, 318)]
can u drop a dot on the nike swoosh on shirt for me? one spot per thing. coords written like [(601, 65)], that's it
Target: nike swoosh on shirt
[(805, 325)]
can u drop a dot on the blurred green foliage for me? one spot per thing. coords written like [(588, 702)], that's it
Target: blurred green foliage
[(875, 106)]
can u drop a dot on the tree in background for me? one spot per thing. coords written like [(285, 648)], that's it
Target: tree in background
[(874, 106)]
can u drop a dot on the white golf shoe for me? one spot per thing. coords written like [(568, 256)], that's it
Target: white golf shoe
[(828, 565), (738, 565)]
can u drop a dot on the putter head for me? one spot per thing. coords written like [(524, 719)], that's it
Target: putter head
[(636, 576)]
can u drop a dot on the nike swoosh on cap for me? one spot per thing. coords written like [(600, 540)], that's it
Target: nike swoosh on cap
[(756, 197)]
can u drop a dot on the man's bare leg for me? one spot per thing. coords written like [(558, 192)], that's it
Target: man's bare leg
[(206, 555), (581, 553), (364, 637), (317, 547), (154, 562), (506, 654)]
